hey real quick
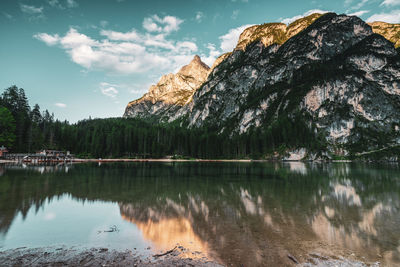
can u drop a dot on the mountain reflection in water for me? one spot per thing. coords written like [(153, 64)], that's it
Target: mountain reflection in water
[(250, 213)]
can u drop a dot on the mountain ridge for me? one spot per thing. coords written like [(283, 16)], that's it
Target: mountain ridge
[(268, 34), (387, 30), (274, 33), (171, 92), (335, 79)]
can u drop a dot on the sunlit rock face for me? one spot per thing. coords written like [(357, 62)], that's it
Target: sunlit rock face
[(387, 30), (170, 93), (274, 33), (219, 60)]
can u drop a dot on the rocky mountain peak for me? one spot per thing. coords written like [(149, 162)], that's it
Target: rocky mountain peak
[(195, 68), (274, 33), (387, 30), (171, 92), (329, 35), (337, 74)]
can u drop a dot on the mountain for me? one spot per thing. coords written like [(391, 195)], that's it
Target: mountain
[(325, 78), (274, 33), (173, 91), (389, 31), (170, 93)]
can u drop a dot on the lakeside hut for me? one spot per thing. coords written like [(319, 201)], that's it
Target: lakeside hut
[(3, 151)]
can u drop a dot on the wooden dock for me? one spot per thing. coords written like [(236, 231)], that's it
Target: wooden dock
[(36, 158)]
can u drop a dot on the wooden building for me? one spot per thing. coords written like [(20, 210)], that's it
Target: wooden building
[(3, 151)]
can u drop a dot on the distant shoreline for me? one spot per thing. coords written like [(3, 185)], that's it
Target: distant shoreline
[(164, 160), (146, 160), (185, 160)]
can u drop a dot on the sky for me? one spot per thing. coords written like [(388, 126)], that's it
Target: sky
[(81, 58)]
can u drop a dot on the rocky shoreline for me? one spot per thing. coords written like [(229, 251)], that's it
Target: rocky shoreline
[(62, 256)]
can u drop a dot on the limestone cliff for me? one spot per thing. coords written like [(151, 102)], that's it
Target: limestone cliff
[(219, 60), (274, 33), (170, 93), (387, 30), (336, 73)]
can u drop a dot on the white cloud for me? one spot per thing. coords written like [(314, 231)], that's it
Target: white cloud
[(151, 26), (390, 3), (213, 54), (186, 45), (166, 25), (60, 105), (122, 48), (108, 89), (391, 17), (199, 16), (235, 14), (348, 2), (104, 23), (55, 3), (119, 36), (229, 40), (309, 12), (126, 52), (73, 39), (137, 52), (32, 10), (171, 23), (357, 6), (50, 40), (72, 3), (359, 13), (157, 41), (68, 4), (8, 16)]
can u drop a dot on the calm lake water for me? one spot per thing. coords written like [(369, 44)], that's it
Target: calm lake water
[(236, 213)]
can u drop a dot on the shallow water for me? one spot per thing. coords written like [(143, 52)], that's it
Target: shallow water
[(235, 213)]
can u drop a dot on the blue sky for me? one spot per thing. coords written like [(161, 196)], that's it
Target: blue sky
[(81, 58)]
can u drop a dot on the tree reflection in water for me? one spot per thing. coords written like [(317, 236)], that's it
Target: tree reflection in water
[(250, 213)]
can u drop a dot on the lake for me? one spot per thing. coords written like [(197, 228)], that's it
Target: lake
[(235, 213)]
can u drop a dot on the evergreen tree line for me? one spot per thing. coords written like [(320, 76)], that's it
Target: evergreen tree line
[(27, 129)]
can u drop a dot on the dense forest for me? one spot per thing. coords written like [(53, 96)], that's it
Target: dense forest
[(26, 129)]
